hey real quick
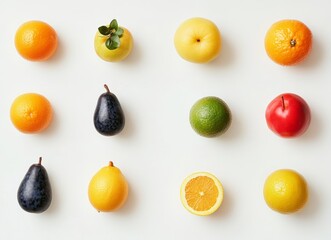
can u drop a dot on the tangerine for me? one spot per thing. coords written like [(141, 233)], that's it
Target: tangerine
[(31, 113), (36, 41), (288, 42)]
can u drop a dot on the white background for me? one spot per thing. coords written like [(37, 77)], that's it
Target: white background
[(158, 149)]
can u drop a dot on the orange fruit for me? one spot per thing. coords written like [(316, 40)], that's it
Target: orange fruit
[(36, 41), (31, 113), (288, 42), (108, 189), (201, 193)]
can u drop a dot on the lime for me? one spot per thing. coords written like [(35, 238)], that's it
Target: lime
[(210, 116)]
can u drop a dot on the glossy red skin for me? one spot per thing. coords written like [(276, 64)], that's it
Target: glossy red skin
[(288, 115)]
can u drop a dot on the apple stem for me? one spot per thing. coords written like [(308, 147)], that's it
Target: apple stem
[(40, 159), (106, 87), (283, 103)]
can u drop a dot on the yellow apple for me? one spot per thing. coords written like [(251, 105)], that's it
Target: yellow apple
[(198, 40), (115, 55)]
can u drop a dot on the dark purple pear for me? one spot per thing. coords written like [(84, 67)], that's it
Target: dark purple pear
[(34, 193), (108, 115)]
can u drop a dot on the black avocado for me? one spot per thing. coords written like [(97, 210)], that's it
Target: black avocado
[(35, 193), (109, 118)]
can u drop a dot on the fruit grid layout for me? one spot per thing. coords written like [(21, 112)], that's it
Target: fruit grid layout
[(288, 115)]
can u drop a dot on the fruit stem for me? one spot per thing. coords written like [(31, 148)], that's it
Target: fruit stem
[(293, 42), (40, 159), (106, 87), (111, 164), (283, 103)]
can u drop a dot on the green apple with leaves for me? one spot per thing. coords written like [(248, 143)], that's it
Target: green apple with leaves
[(113, 43)]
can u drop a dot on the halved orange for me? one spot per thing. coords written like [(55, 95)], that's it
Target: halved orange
[(201, 193)]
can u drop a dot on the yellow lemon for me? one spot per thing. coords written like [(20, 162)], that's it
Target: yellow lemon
[(108, 189), (201, 193), (285, 191)]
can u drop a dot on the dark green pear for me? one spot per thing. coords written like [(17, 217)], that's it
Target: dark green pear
[(108, 116), (34, 193)]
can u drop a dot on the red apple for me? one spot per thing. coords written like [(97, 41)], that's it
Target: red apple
[(288, 115)]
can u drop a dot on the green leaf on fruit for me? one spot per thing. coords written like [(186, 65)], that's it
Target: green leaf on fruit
[(113, 32), (119, 32), (104, 30), (116, 40), (111, 45), (113, 24)]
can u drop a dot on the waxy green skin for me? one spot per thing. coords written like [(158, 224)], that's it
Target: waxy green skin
[(210, 116)]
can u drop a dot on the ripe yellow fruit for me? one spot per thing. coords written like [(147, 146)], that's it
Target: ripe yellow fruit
[(198, 40), (285, 191), (108, 189), (115, 55), (201, 193)]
